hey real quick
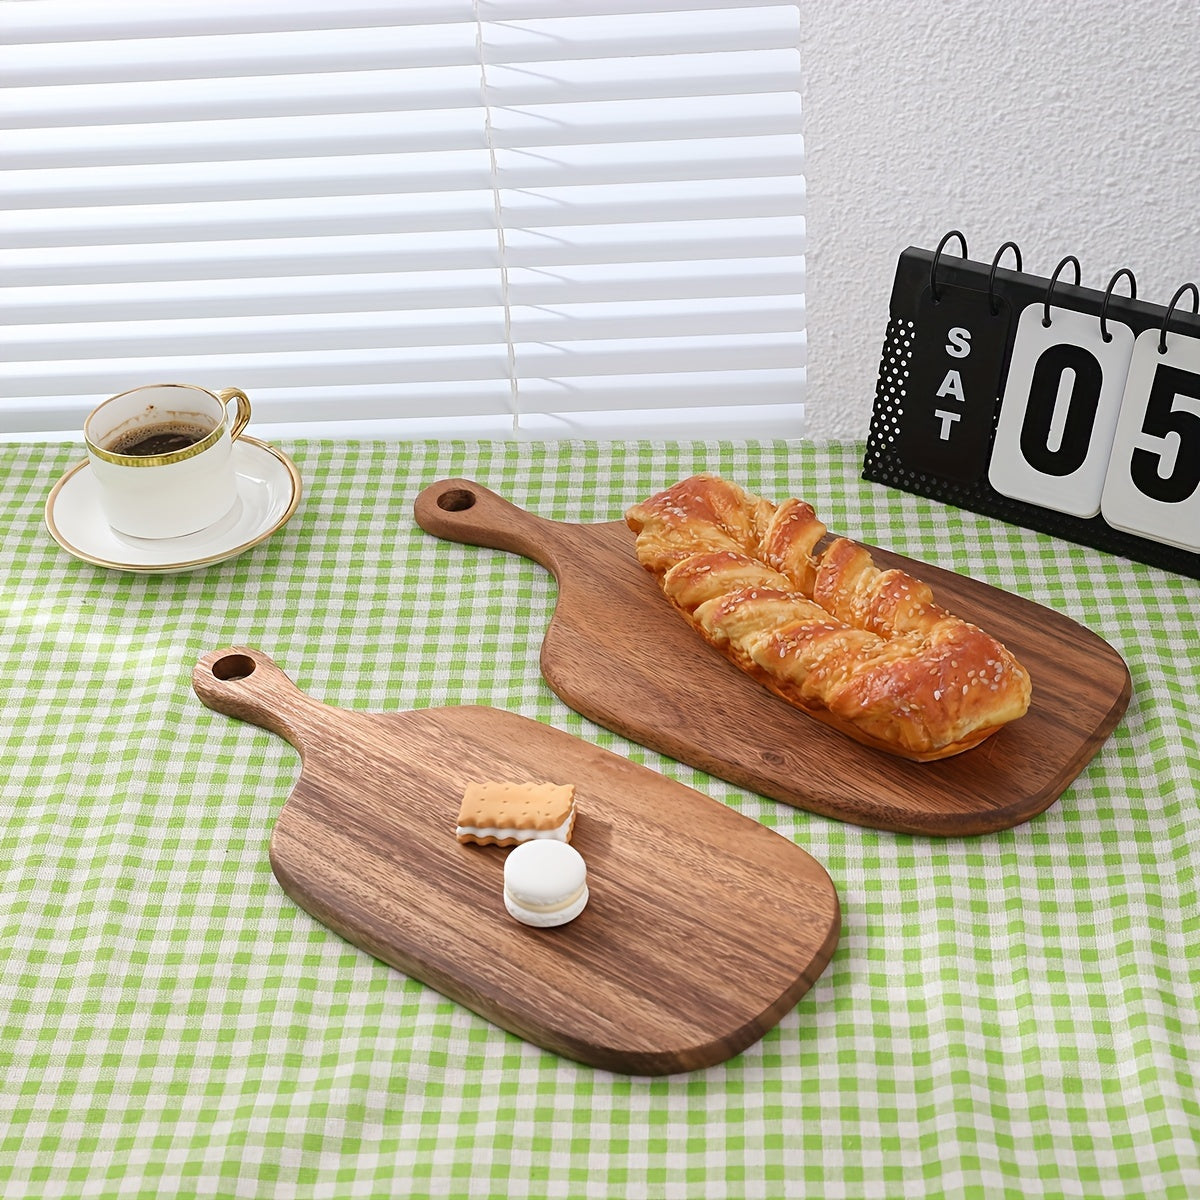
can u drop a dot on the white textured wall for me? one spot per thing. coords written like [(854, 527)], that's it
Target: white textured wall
[(1068, 127)]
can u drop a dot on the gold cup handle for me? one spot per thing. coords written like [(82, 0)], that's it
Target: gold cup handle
[(243, 409)]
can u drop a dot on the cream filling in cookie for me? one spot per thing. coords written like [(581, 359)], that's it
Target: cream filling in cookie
[(560, 833), (555, 906)]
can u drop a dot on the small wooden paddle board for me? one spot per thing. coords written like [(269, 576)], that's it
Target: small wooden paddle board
[(703, 927), (617, 652)]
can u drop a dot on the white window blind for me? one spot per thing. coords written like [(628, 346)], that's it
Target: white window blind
[(492, 217)]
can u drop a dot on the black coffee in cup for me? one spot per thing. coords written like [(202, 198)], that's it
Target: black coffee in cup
[(163, 437)]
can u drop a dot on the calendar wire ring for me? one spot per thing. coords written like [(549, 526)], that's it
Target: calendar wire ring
[(937, 254), (1070, 258), (1108, 291), (1187, 287), (993, 307)]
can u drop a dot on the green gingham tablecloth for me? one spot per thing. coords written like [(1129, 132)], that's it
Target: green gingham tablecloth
[(1007, 1016)]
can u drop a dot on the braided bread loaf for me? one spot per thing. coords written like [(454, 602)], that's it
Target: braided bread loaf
[(864, 650)]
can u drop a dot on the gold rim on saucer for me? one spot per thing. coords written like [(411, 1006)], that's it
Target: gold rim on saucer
[(186, 563)]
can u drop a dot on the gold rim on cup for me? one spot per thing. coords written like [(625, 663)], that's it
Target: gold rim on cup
[(209, 439)]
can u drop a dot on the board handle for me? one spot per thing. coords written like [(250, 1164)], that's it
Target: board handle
[(245, 683), (461, 510)]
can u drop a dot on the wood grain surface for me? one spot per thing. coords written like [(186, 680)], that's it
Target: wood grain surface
[(702, 930), (616, 652)]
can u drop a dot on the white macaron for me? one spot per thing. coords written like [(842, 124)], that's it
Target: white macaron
[(545, 883)]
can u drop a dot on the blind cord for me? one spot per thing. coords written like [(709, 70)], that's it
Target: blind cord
[(505, 297)]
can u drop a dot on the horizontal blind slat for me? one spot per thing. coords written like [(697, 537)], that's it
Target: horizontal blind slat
[(258, 139), (78, 20), (630, 319), (251, 97), (84, 20), (273, 404), (636, 34), (216, 298), (725, 73), (593, 282), (550, 166), (259, 335), (334, 368), (658, 242), (253, 259), (328, 368), (221, 56), (413, 213), (679, 389), (282, 179), (716, 158), (249, 220), (385, 47), (758, 351)]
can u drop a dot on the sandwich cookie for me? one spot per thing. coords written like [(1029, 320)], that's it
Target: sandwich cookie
[(545, 883), (502, 813)]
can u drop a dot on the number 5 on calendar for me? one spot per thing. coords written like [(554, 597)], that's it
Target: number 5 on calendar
[(1153, 483)]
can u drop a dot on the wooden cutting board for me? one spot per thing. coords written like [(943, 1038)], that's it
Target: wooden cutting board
[(616, 652), (703, 927)]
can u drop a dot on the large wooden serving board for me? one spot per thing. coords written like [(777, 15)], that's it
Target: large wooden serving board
[(616, 652), (702, 930)]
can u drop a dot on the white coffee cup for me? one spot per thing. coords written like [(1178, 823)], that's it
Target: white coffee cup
[(185, 484)]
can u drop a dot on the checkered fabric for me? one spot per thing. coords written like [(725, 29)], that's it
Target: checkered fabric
[(1006, 1016)]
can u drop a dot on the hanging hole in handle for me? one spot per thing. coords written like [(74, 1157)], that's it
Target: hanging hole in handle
[(1070, 258), (1105, 336), (1187, 287), (993, 307), (233, 667), (456, 500), (937, 254)]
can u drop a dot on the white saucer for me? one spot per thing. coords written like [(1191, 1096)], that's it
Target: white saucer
[(268, 494)]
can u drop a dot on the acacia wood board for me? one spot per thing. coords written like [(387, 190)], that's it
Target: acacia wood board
[(702, 930), (616, 651)]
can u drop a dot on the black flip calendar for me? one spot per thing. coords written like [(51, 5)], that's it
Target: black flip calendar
[(1053, 406)]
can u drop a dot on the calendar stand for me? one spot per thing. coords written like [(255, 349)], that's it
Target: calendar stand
[(941, 446)]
